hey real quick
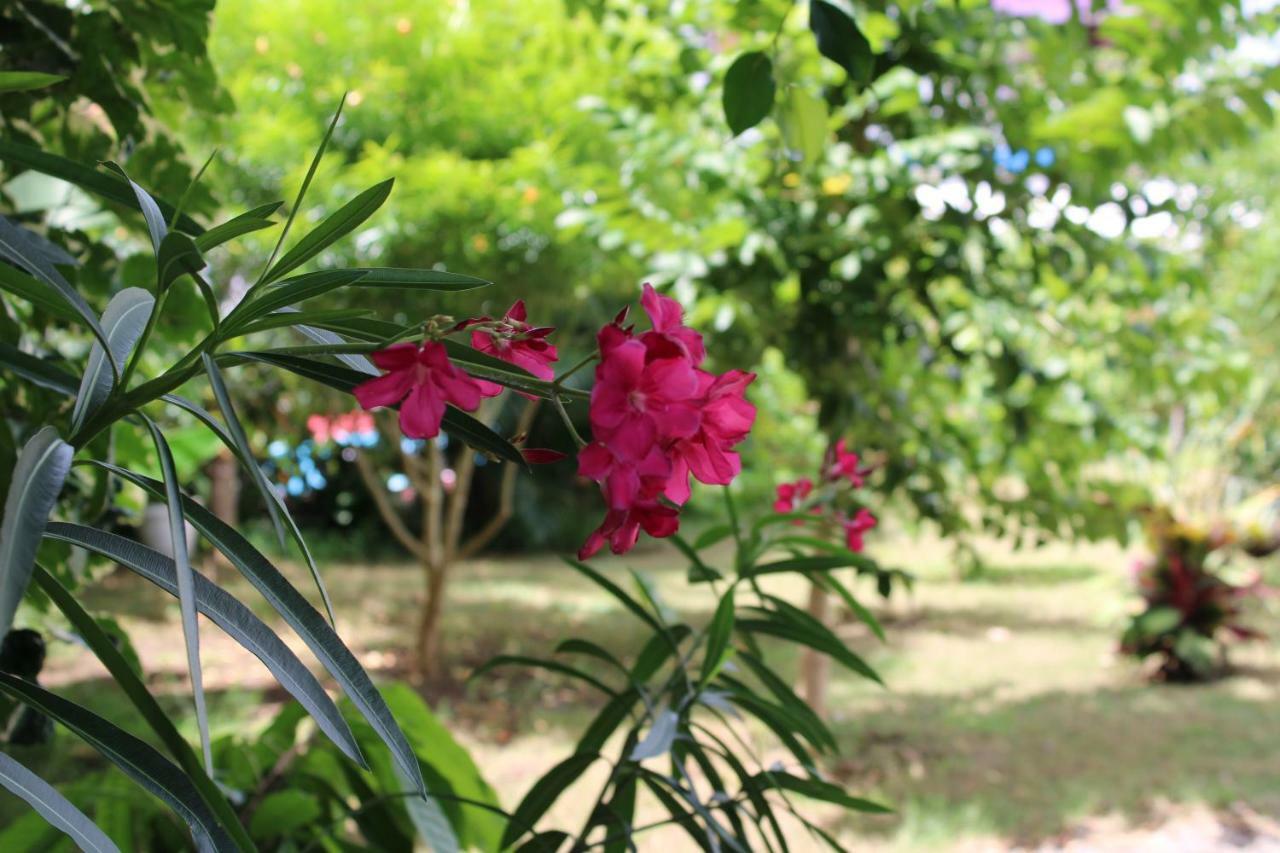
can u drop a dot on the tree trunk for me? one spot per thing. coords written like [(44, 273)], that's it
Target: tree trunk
[(429, 645), (815, 668), (224, 500)]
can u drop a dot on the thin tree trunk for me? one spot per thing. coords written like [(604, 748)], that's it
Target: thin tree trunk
[(815, 668), (224, 500), (429, 646)]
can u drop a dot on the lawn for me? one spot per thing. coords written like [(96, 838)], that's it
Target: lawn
[(1007, 721)]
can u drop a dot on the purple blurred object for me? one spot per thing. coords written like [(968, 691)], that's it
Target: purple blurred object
[(1055, 11)]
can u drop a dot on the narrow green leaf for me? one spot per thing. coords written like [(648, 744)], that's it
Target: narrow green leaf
[(191, 187), (712, 536), (137, 759), (287, 293), (151, 212), (302, 190), (468, 429), (544, 793), (123, 321), (178, 255), (618, 593), (354, 360), (818, 790), (867, 617), (822, 563), (345, 220), (238, 226), (38, 476), (22, 81), (808, 722), (291, 317), (789, 622), (186, 583), (719, 633), (89, 179), (328, 648), (105, 649), (37, 370), (749, 90), (54, 807), (233, 617), (23, 286), (33, 253), (840, 40), (539, 663), (419, 279)]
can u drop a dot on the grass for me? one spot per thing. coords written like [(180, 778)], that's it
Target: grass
[(1008, 719)]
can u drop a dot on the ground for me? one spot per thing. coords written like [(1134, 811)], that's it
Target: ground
[(1008, 723)]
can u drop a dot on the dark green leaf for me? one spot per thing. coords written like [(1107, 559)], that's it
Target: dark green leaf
[(824, 563), (122, 670), (25, 287), (749, 90), (718, 635), (417, 279), (245, 223), (818, 790), (343, 222), (155, 219), (791, 623), (178, 255), (86, 178), (38, 476), (185, 582), (138, 760), (287, 293), (539, 663), (840, 40), (37, 370), (468, 429), (544, 793)]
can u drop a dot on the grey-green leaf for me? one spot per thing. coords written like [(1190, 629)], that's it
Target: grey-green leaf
[(55, 808), (225, 611), (123, 321), (38, 476), (140, 761), (186, 584), (301, 616)]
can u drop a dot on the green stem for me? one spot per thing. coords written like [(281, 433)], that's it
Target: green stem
[(559, 380), (568, 422)]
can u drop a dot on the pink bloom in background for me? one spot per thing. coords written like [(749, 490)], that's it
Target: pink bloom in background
[(656, 418), (789, 494), (516, 342), (1056, 11), (425, 380), (348, 428), (844, 466), (855, 527)]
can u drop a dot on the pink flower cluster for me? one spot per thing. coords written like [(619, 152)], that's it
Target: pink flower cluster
[(840, 470), (657, 418), (422, 378)]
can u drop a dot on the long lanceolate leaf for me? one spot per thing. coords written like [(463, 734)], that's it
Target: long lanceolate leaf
[(339, 224), (91, 180), (302, 190), (240, 446), (55, 808), (106, 651), (544, 793), (138, 760), (156, 226), (38, 475), (301, 616), (225, 611), (30, 252), (186, 584), (123, 322), (36, 370)]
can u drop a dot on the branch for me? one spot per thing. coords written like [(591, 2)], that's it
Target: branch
[(466, 469), (506, 498), (386, 509)]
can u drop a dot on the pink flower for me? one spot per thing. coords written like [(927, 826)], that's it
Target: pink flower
[(624, 480), (844, 465), (425, 379), (726, 420), (636, 402), (789, 494), (621, 527), (515, 342), (670, 336), (855, 527)]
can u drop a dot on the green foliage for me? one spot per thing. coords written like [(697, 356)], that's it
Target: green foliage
[(677, 707)]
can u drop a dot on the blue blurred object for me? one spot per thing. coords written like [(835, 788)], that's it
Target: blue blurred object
[(1045, 157)]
